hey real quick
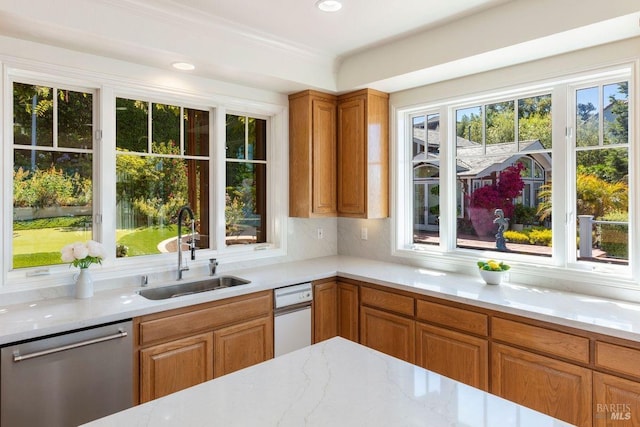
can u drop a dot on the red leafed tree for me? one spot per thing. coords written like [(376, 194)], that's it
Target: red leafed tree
[(500, 194)]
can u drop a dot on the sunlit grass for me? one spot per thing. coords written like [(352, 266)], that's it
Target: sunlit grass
[(39, 247)]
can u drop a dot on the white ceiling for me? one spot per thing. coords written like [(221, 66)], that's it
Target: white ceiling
[(359, 24), (289, 45)]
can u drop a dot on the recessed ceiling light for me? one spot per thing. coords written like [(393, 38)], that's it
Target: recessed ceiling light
[(183, 66), (329, 5)]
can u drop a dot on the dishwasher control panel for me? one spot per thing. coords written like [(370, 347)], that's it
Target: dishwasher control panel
[(291, 295)]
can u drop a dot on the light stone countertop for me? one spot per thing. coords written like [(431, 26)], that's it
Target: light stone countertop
[(617, 318), (334, 383)]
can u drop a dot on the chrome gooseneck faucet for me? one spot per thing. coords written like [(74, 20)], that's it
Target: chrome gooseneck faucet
[(192, 242)]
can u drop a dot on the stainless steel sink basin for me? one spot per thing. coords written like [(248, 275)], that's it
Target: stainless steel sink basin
[(188, 288)]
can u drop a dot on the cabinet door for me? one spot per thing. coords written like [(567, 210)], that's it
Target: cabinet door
[(352, 159), (324, 157), (455, 355), (176, 365), (616, 401), (348, 311), (556, 388), (325, 311), (388, 333), (242, 345)]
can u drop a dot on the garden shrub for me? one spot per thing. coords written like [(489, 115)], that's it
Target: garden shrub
[(540, 236), (614, 238), (516, 237)]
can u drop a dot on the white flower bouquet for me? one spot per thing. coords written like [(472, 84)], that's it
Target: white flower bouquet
[(83, 254)]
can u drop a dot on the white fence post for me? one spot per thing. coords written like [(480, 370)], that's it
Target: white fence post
[(584, 232)]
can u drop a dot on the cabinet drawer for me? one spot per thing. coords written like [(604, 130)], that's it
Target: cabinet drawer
[(456, 318), (618, 358), (400, 304), (557, 343), (187, 323)]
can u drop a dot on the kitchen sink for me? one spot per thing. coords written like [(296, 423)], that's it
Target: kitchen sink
[(188, 288)]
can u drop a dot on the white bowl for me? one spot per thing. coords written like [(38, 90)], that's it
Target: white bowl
[(492, 277)]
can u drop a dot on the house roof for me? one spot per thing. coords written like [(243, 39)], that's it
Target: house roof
[(473, 159)]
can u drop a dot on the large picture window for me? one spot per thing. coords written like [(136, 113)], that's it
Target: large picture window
[(162, 164), (52, 171), (485, 179)]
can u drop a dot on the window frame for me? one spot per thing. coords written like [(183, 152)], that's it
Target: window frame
[(528, 268), (106, 90)]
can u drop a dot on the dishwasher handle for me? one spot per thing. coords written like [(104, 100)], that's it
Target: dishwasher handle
[(18, 358)]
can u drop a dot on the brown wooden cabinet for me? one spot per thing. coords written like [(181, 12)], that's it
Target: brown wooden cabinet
[(616, 401), (386, 322), (325, 310), (388, 333), (444, 343), (455, 355), (560, 389), (179, 348), (348, 302), (312, 154), (175, 365), (363, 154), (242, 345)]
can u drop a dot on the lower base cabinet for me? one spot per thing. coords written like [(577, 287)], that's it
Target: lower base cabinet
[(175, 365), (556, 388), (180, 348), (240, 346), (455, 355), (388, 333), (616, 401), (348, 303)]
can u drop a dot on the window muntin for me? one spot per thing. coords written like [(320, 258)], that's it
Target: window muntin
[(52, 171), (246, 180), (602, 173), (162, 164), (496, 170)]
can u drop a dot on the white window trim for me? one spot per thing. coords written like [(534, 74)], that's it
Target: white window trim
[(107, 88), (556, 272)]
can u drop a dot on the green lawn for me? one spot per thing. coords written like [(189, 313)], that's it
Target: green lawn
[(42, 246)]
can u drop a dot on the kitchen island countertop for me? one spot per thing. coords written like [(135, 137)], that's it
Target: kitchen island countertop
[(332, 383)]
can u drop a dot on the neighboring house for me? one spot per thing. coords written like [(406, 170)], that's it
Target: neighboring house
[(477, 165)]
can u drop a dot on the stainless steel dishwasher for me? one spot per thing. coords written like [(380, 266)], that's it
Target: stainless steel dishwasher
[(67, 379), (292, 318)]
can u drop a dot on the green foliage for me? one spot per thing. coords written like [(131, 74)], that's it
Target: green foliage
[(614, 238), (51, 187), (534, 122), (156, 187), (499, 123), (232, 212), (526, 215), (598, 197), (53, 222)]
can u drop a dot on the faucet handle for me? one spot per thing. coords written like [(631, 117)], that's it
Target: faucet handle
[(213, 263)]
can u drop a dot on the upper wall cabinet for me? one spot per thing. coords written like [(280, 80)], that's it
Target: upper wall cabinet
[(363, 154), (312, 154)]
